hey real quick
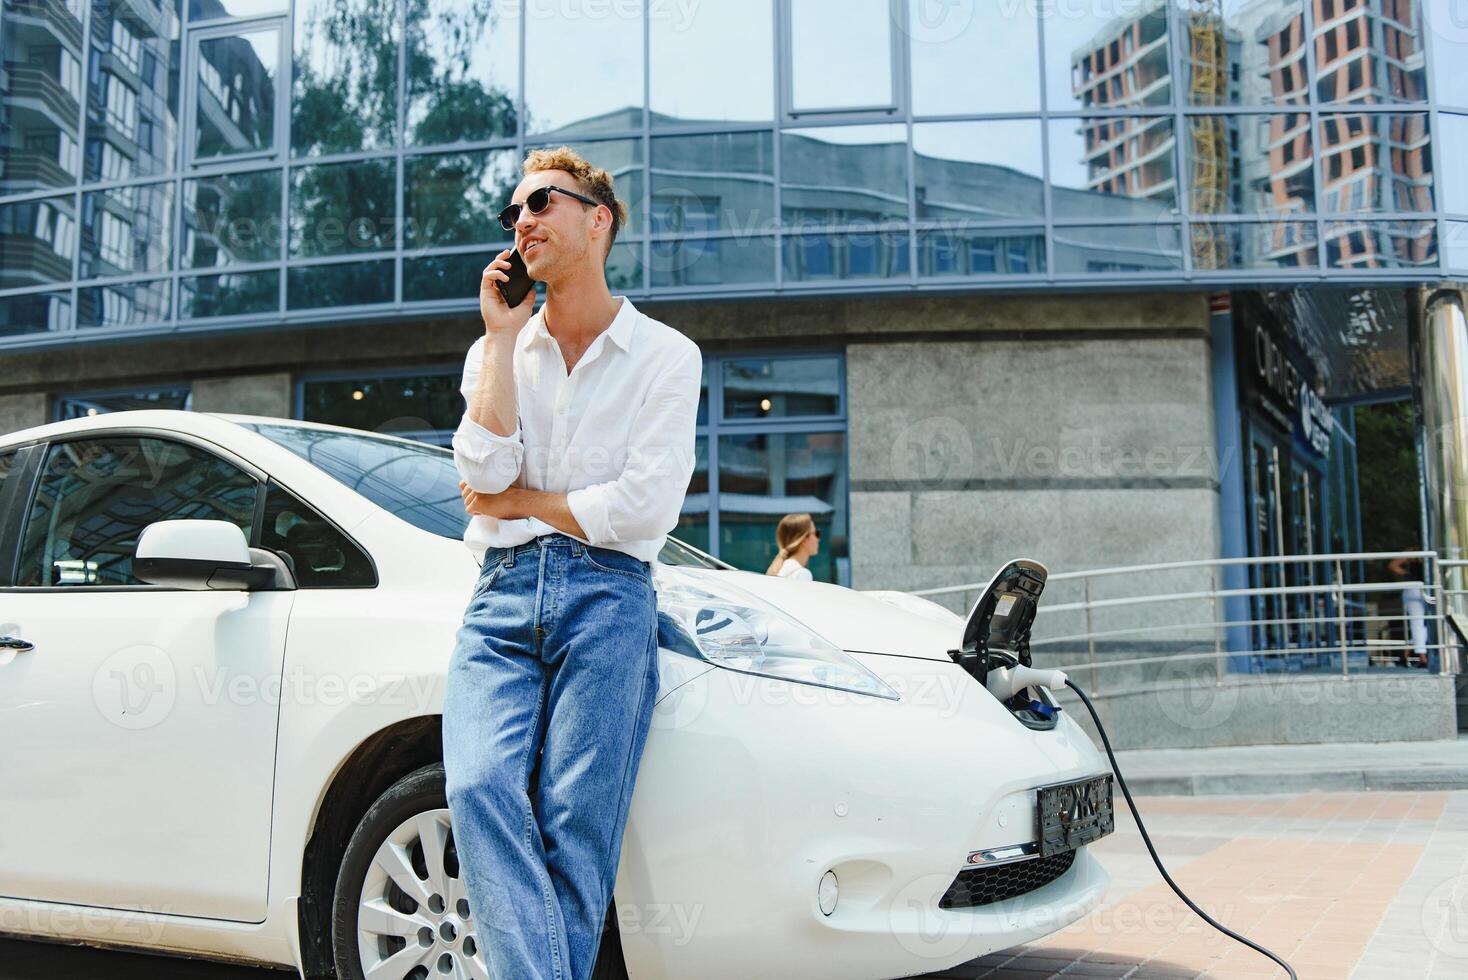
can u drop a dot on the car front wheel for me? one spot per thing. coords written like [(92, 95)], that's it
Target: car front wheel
[(400, 908)]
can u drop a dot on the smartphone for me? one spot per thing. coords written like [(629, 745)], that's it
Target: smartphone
[(519, 285)]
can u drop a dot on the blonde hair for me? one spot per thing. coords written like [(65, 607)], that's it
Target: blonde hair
[(594, 182), (790, 533)]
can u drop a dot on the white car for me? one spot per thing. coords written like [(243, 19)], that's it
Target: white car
[(223, 641)]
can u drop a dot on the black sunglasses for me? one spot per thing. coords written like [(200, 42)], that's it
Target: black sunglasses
[(537, 201)]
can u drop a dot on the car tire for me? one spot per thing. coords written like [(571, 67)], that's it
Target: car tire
[(428, 928)]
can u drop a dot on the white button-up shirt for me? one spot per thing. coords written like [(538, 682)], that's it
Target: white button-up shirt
[(616, 435)]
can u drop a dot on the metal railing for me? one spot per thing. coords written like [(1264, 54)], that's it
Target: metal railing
[(1296, 614)]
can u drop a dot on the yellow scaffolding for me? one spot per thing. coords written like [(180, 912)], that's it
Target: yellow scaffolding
[(1209, 144)]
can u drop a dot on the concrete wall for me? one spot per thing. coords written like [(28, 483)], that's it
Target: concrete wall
[(1193, 711)]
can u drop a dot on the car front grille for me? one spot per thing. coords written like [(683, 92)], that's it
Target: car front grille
[(983, 886)]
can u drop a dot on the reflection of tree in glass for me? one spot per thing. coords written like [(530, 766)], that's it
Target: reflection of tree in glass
[(345, 76), (446, 103)]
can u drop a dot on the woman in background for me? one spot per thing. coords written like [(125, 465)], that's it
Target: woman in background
[(797, 538)]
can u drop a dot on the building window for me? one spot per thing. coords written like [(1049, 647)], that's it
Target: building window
[(78, 404), (861, 74), (771, 441)]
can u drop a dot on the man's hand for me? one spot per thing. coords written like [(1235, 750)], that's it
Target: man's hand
[(516, 502), (499, 505), (499, 318)]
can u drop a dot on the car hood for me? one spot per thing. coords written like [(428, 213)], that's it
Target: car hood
[(857, 621)]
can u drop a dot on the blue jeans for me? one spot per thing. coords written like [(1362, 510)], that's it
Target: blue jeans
[(557, 655)]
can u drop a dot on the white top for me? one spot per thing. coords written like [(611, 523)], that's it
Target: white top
[(794, 569), (616, 435)]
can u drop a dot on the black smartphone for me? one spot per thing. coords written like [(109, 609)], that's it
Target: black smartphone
[(519, 285)]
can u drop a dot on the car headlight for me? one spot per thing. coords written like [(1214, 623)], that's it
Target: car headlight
[(734, 629)]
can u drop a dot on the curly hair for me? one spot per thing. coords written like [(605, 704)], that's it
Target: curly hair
[(594, 182)]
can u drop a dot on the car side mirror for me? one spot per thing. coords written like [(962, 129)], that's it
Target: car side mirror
[(206, 554)]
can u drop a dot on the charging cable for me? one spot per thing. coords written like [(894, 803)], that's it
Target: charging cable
[(1148, 841)]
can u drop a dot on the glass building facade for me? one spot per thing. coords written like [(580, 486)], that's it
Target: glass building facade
[(179, 165)]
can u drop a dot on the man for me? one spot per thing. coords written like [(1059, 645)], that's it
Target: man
[(575, 450)]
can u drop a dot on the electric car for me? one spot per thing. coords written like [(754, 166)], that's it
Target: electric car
[(223, 641)]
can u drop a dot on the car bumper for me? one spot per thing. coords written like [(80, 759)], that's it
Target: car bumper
[(751, 789)]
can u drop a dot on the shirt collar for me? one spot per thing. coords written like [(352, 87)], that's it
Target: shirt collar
[(620, 329)]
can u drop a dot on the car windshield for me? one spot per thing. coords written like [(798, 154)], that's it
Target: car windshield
[(416, 481)]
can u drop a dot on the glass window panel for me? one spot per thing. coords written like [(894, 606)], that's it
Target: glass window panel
[(624, 267), (840, 54), (838, 175), (1452, 136), (41, 103), (1449, 28), (1113, 167), (320, 555), (1255, 245), (34, 313), (713, 183), (230, 294), (129, 304), (446, 276), (1107, 55), (344, 80), (222, 9), (693, 519), (604, 92), (95, 497), (234, 93), (231, 218), (741, 260), (1102, 249), (1455, 246), (132, 90), (876, 254), (1364, 246), (76, 405), (1370, 52), (979, 170), (340, 208), (981, 252), (127, 230), (764, 476), (1249, 164), (781, 387), (349, 284), (462, 71), (1243, 52), (421, 406), (37, 241), (712, 62), (455, 198), (623, 160), (1375, 162), (973, 57)]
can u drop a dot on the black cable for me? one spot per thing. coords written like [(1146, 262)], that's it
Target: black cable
[(1101, 730)]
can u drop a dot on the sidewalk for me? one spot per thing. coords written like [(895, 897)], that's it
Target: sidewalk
[(1334, 767)]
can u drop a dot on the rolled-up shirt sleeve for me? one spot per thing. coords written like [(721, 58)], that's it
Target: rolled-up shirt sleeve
[(645, 499), (487, 461)]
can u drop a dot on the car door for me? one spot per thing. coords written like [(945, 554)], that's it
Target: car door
[(138, 721)]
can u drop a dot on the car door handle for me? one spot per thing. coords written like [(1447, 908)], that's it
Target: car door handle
[(15, 643)]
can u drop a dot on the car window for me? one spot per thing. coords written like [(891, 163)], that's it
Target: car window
[(417, 482), (96, 495), (319, 554)]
